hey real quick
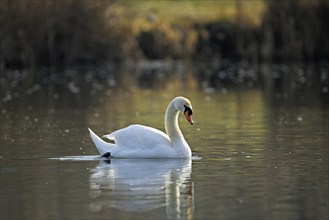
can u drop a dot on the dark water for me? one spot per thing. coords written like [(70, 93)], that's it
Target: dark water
[(257, 155)]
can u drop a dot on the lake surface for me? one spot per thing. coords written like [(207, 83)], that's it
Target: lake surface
[(256, 154)]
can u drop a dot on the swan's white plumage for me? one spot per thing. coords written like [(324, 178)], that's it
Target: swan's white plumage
[(139, 136), (139, 141)]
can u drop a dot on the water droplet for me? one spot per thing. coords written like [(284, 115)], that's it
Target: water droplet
[(73, 88), (111, 82), (207, 98), (56, 96), (109, 92)]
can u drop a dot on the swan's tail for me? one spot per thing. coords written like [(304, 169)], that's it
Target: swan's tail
[(102, 146)]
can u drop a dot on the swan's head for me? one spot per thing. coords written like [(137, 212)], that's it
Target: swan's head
[(184, 106)]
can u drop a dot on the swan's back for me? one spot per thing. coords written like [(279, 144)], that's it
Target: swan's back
[(139, 136)]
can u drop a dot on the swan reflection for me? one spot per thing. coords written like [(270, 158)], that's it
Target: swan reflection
[(143, 185)]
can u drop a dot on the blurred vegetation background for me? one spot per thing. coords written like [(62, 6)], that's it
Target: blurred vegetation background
[(57, 35)]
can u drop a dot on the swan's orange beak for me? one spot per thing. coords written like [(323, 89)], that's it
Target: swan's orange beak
[(188, 117)]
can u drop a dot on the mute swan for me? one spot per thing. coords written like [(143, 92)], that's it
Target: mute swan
[(139, 141)]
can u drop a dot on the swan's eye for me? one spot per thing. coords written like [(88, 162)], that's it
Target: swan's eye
[(188, 109)]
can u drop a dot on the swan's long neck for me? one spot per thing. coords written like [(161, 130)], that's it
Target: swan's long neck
[(171, 124), (175, 135)]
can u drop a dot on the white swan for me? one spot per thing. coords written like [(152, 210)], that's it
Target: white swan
[(138, 141)]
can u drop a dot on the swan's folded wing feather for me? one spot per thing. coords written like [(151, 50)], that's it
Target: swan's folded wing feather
[(108, 136), (139, 136)]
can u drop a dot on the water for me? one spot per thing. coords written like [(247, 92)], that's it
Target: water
[(256, 154)]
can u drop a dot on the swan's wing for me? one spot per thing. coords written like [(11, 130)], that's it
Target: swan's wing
[(139, 136)]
